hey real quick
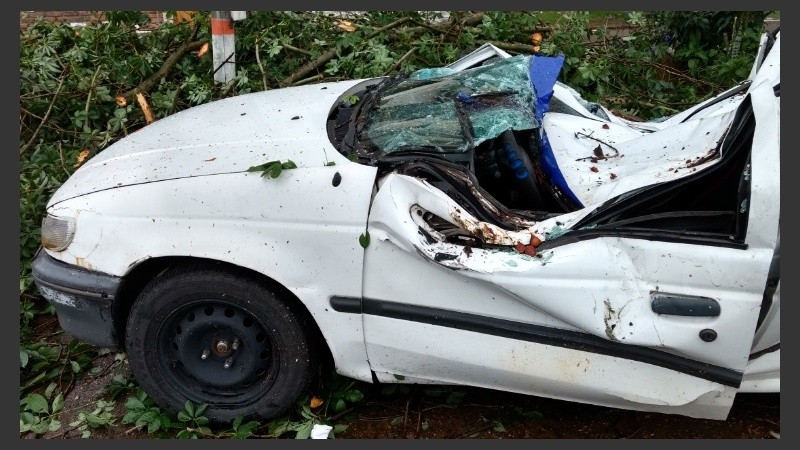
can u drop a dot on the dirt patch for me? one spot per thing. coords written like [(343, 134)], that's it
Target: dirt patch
[(488, 414)]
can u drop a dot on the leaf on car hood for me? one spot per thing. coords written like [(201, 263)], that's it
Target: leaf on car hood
[(273, 169)]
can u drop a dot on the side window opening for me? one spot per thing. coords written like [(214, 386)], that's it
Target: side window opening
[(712, 202)]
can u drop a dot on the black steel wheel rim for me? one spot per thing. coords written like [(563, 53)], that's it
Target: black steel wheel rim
[(215, 352)]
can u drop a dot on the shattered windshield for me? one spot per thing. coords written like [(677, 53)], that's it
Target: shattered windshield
[(447, 111)]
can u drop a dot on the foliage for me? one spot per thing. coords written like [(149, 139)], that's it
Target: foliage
[(43, 361), (143, 413), (39, 412), (101, 417)]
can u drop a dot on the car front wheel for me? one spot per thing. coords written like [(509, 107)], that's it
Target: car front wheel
[(219, 338)]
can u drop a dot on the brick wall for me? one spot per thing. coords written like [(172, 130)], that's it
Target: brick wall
[(28, 17)]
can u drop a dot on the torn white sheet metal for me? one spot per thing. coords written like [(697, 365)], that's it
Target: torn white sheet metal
[(482, 53), (600, 160), (411, 197), (408, 195)]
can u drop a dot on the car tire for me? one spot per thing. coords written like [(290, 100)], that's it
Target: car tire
[(220, 338)]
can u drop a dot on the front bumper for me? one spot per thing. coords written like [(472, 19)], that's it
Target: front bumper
[(84, 300)]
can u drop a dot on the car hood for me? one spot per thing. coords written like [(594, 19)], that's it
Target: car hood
[(223, 136)]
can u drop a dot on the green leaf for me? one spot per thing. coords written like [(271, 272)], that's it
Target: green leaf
[(75, 366), (339, 405), (261, 167), (153, 426), (200, 410), (274, 171), (364, 241), (37, 403), (48, 392), (166, 422), (131, 417), (183, 416), (330, 163), (202, 420), (58, 402), (352, 157), (40, 427), (353, 396), (498, 427), (134, 404), (54, 425), (189, 408), (340, 428), (237, 421), (146, 418), (289, 164), (185, 434), (396, 376), (23, 358), (305, 430)]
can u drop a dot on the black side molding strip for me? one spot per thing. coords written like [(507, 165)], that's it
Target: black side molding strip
[(544, 335), (346, 304)]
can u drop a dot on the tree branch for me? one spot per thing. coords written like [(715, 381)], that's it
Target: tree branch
[(327, 56), (145, 86), (261, 68), (400, 61), (28, 144)]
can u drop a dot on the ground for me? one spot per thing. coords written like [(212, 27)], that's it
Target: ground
[(431, 412)]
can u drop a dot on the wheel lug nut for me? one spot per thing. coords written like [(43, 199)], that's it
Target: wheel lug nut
[(205, 354), (235, 344), (228, 363)]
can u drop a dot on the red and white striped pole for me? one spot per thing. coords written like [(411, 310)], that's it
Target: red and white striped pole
[(223, 46)]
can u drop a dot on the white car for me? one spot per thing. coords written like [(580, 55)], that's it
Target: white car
[(478, 224)]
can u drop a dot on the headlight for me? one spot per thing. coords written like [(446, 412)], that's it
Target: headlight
[(57, 232)]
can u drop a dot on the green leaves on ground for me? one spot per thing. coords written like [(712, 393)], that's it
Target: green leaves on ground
[(101, 416), (39, 412), (143, 413)]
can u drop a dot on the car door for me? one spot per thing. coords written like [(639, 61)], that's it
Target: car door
[(635, 316)]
